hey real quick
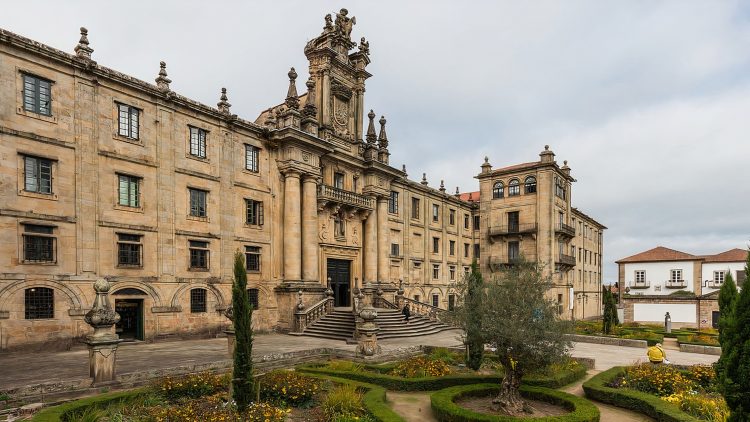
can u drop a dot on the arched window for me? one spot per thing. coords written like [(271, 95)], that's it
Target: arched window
[(39, 303), (497, 190), (198, 301), (530, 184), (514, 188)]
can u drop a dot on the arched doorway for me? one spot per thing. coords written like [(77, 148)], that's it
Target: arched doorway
[(129, 304)]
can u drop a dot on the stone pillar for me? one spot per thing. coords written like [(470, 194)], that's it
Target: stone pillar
[(292, 227), (367, 332), (310, 260), (370, 249), (229, 313), (383, 235), (103, 342)]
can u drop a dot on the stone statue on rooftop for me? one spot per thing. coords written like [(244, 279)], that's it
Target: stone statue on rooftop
[(344, 23)]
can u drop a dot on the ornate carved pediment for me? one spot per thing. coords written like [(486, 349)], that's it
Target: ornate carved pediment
[(341, 91)]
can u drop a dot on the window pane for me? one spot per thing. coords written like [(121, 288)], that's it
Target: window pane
[(31, 174), (198, 300)]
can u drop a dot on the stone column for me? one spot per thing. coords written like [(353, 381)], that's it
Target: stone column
[(292, 227), (310, 260), (370, 249), (103, 342), (383, 232)]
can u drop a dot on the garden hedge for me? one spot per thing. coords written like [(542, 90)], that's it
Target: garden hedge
[(57, 413), (373, 399), (446, 410), (648, 404), (391, 382)]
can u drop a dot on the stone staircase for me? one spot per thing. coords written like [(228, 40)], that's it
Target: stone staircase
[(339, 325)]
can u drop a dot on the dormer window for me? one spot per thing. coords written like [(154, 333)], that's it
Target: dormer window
[(498, 190)]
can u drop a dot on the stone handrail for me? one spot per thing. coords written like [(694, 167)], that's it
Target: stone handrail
[(424, 309), (306, 317), (383, 303), (345, 197)]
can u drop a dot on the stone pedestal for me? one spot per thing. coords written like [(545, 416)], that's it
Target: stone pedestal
[(102, 359), (367, 330), (103, 343)]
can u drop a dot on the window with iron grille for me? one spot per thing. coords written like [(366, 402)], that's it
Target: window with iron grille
[(393, 203), (252, 258), (435, 244), (452, 247), (254, 212), (129, 250), (37, 95), (38, 243), (435, 300), (435, 212), (395, 249), (199, 255), (198, 301), (415, 208), (338, 180), (514, 188), (252, 298), (198, 202), (198, 142), (37, 175), (252, 158), (39, 303), (127, 121), (128, 191), (435, 271)]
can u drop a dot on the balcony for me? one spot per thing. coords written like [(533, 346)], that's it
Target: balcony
[(565, 230), (513, 229), (639, 284), (566, 261), (675, 284), (713, 284), (509, 261), (328, 194)]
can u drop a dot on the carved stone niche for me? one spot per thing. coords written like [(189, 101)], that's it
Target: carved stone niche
[(341, 108)]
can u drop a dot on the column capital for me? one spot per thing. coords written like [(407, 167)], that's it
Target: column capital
[(291, 172), (312, 178)]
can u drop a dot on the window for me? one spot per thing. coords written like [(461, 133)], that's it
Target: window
[(514, 188), (198, 142), (513, 221), (338, 180), (198, 255), (395, 249), (39, 303), (37, 95), (452, 247), (339, 224), (530, 185), (393, 203), (252, 259), (451, 301), (355, 184), (435, 271), (198, 202), (740, 277), (416, 298), (435, 213), (476, 222), (452, 217), (435, 300), (127, 121), (559, 304), (513, 251), (253, 212), (452, 272), (252, 158), (497, 190), (466, 250), (466, 221), (675, 276), (560, 188), (415, 208), (573, 251), (128, 191), (252, 298), (476, 251), (198, 301), (719, 277), (435, 244), (128, 250), (38, 243), (37, 175), (640, 276)]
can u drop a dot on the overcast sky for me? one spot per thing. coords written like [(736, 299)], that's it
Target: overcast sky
[(648, 101)]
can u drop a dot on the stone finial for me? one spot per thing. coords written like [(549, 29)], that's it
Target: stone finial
[(457, 194), (102, 316), (382, 138), (292, 100), (442, 186), (547, 156), (424, 179), (565, 169), (403, 168), (486, 166), (83, 50), (371, 136), (162, 82), (223, 104), (310, 109)]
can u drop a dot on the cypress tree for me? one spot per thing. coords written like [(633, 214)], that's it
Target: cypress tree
[(242, 374), (609, 316), (474, 340), (727, 298)]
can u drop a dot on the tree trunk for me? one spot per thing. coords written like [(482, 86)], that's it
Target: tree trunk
[(509, 399)]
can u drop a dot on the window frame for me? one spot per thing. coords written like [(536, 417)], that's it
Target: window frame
[(498, 190), (130, 181), (395, 250), (639, 276), (529, 186), (29, 311), (514, 187), (252, 158), (129, 131), (194, 211), (721, 276), (339, 180), (435, 245), (38, 174), (435, 213), (393, 202), (415, 205), (194, 248), (199, 136), (253, 291), (672, 274), (435, 271), (451, 247), (254, 212), (121, 241), (30, 235), (35, 106), (435, 300), (198, 304), (257, 253)]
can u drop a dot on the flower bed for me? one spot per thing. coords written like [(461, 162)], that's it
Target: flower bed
[(446, 410)]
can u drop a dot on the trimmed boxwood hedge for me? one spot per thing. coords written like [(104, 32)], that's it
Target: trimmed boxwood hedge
[(391, 382), (446, 410), (647, 404), (373, 399), (57, 413)]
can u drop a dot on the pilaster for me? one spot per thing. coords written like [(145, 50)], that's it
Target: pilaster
[(292, 226), (310, 247), (382, 239)]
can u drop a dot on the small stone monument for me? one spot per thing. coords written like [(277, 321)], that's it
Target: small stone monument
[(367, 330), (103, 342), (667, 323)]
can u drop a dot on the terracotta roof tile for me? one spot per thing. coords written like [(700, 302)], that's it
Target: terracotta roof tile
[(516, 167), (469, 196), (732, 255), (659, 253)]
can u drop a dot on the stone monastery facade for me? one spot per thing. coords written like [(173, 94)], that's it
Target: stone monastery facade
[(104, 175)]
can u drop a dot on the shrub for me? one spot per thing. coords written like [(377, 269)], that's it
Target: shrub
[(660, 380), (445, 355), (213, 408), (710, 407), (288, 388), (345, 365), (421, 366), (191, 385), (344, 401)]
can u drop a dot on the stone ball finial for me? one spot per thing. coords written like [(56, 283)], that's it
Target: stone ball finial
[(292, 74), (310, 84), (101, 285), (546, 147), (486, 159), (84, 31), (371, 114), (565, 162), (382, 121)]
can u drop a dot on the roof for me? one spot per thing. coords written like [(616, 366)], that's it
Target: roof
[(732, 255), (588, 218), (469, 196), (521, 166), (659, 253)]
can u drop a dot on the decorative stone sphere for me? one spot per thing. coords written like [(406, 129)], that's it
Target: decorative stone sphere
[(368, 314), (101, 285)]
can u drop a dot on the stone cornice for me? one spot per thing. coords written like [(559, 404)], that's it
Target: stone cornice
[(35, 137), (36, 216), (197, 174), (118, 156), (196, 234), (124, 226)]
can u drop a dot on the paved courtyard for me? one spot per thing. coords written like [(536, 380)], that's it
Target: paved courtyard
[(21, 369)]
